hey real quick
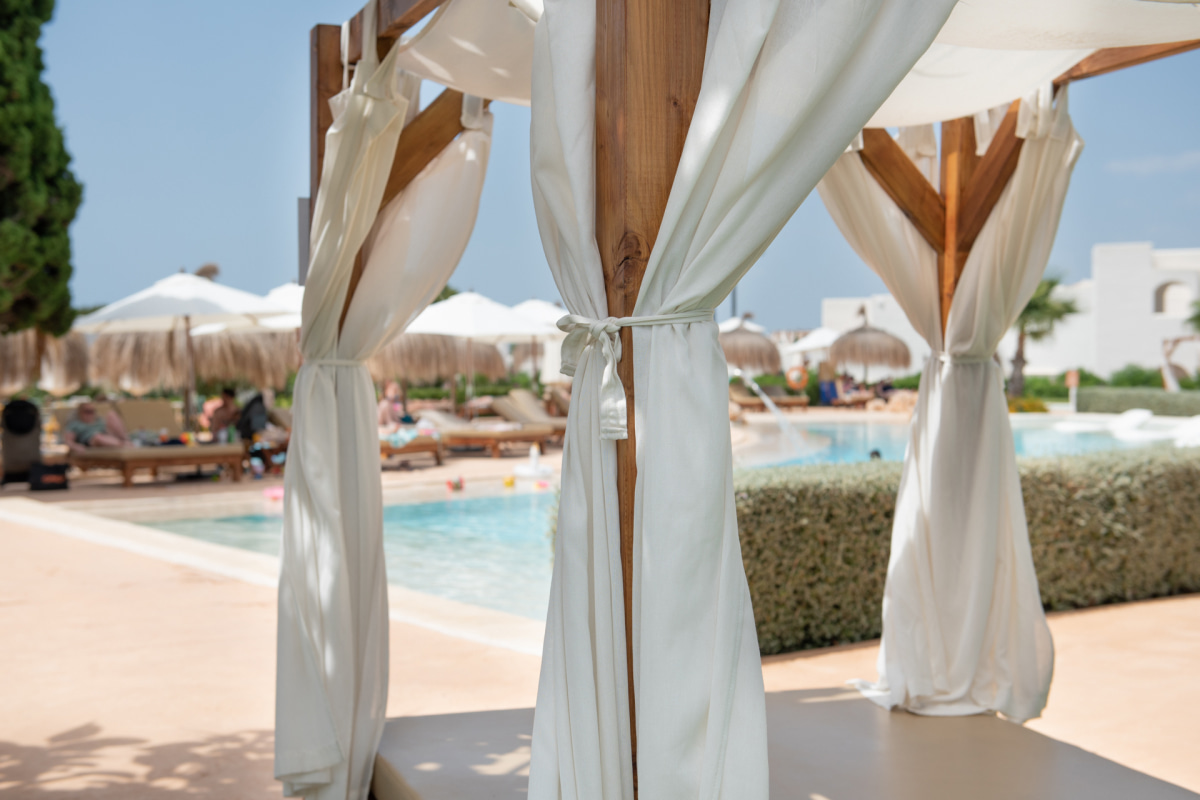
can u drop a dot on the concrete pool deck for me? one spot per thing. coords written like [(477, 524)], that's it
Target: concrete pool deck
[(127, 675)]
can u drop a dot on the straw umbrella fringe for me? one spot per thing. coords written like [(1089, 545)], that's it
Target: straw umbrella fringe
[(141, 362), (747, 349), (64, 364), (58, 365), (18, 362), (418, 358)]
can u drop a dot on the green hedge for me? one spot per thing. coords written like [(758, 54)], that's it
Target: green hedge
[(1114, 400), (1105, 528)]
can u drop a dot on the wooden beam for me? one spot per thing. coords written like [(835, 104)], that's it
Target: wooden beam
[(649, 62), (895, 172), (422, 139), (1112, 59), (325, 80), (991, 177), (394, 18), (958, 166)]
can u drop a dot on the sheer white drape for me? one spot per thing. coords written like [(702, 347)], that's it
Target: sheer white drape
[(785, 87), (331, 685), (963, 628)]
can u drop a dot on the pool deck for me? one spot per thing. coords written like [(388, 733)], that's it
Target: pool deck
[(132, 675)]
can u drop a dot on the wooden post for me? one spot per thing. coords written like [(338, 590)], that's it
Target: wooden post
[(958, 167), (649, 63), (325, 80)]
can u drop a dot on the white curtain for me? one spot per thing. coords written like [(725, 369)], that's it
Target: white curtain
[(963, 628), (331, 682), (786, 86)]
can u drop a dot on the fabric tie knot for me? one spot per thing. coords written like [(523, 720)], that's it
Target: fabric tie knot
[(583, 332)]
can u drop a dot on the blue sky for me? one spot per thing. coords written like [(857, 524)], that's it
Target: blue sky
[(188, 124)]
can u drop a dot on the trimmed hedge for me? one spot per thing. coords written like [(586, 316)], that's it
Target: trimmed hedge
[(1104, 528), (1114, 400)]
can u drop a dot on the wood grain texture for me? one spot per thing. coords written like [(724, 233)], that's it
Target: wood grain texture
[(958, 162), (895, 172), (990, 179), (422, 139), (1112, 59), (649, 62), (325, 80)]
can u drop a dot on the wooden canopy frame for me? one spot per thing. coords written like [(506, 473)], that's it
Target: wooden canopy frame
[(649, 63)]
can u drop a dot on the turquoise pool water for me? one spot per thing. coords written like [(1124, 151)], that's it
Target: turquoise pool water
[(849, 442), (488, 551)]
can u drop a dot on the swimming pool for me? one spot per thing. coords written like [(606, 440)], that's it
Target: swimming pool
[(850, 442), (487, 551)]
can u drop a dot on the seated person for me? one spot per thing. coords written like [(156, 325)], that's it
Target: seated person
[(227, 414), (390, 410), (86, 429)]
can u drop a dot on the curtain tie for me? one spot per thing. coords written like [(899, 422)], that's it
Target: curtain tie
[(334, 362), (583, 332), (955, 358)]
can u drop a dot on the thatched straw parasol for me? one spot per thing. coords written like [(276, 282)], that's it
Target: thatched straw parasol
[(263, 358), (58, 365), (417, 358), (870, 347), (748, 349)]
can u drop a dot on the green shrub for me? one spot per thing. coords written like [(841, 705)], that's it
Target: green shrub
[(1133, 375), (912, 382), (1114, 400), (1044, 388), (1105, 528), (1026, 405)]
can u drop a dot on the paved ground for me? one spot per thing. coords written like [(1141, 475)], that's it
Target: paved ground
[(129, 677)]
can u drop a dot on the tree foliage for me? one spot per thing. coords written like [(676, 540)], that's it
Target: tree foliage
[(1036, 321), (38, 194)]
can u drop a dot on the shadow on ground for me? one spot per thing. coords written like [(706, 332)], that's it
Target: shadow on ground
[(84, 760)]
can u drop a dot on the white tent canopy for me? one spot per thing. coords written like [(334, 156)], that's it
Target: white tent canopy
[(163, 305), (546, 313), (990, 52), (818, 339), (473, 316)]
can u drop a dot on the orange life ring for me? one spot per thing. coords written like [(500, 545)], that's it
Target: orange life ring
[(797, 378)]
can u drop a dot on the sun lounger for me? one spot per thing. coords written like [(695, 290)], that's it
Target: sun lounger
[(560, 397), (456, 432), (784, 400), (130, 459), (739, 395), (421, 444), (522, 405)]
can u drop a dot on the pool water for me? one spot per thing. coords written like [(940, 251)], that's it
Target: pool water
[(488, 551), (844, 443)]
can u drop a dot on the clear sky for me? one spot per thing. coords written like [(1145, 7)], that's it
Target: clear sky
[(188, 124)]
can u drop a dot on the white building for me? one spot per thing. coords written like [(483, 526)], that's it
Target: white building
[(1137, 297)]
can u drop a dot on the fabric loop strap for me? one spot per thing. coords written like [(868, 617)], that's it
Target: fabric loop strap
[(335, 362), (955, 358), (583, 332)]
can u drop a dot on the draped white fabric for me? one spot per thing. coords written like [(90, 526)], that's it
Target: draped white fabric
[(786, 86), (481, 47), (963, 627), (331, 683)]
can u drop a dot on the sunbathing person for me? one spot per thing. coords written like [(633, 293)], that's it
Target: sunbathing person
[(86, 429), (227, 414)]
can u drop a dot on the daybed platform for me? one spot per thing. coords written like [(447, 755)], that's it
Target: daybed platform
[(823, 743)]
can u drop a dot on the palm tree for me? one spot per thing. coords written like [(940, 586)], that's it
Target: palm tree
[(1194, 319), (1036, 322)]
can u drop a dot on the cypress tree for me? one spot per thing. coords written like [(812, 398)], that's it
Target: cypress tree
[(38, 194)]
